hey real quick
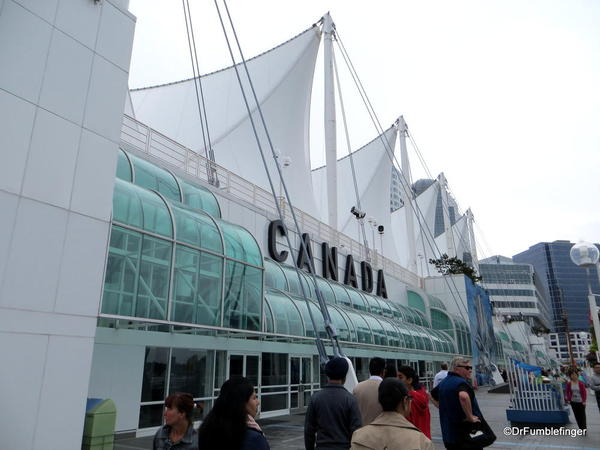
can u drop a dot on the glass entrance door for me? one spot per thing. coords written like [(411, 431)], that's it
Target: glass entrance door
[(245, 365), (300, 382)]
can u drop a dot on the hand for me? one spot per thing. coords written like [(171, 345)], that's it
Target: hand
[(473, 419)]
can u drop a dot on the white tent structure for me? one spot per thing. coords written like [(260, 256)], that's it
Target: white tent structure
[(373, 171), (436, 229), (282, 78)]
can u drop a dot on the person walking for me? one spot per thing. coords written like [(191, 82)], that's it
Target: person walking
[(595, 382), (443, 373), (178, 432), (366, 392), (332, 415), (419, 415), (459, 411), (575, 395), (230, 424), (390, 371), (391, 430)]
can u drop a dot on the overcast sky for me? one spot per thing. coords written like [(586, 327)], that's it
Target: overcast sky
[(501, 96)]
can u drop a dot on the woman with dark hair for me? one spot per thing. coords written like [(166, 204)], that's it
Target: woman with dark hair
[(230, 424), (575, 395), (419, 409), (390, 429), (178, 432), (390, 371)]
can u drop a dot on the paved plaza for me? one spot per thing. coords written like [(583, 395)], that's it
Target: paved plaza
[(286, 433)]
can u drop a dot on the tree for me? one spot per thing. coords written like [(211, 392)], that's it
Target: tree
[(451, 266)]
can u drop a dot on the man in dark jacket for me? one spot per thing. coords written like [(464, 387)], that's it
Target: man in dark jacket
[(333, 413), (458, 404)]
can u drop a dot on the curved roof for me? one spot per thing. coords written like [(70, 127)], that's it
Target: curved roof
[(147, 175)]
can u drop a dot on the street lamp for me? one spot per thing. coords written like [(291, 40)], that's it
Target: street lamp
[(585, 254)]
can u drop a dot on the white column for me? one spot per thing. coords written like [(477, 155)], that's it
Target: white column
[(406, 182), (448, 231), (63, 84), (473, 244), (330, 127)]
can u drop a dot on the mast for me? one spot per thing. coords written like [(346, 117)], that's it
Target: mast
[(406, 181), (470, 220), (446, 211), (330, 125)]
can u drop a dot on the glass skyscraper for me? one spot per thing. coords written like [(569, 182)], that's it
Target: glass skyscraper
[(564, 283)]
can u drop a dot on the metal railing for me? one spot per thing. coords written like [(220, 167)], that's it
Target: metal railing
[(142, 138), (530, 393)]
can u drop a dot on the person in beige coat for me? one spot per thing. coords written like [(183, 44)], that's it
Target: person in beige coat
[(366, 392), (391, 430)]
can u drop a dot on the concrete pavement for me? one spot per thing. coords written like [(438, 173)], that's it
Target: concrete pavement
[(286, 433)]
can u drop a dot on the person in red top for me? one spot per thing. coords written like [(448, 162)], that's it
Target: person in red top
[(576, 395), (419, 410)]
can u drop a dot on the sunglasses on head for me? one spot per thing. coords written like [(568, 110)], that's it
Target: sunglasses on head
[(466, 367)]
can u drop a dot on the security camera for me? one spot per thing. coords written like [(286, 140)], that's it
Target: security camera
[(357, 213)]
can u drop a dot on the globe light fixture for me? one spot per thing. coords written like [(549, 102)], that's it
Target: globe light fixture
[(586, 254)]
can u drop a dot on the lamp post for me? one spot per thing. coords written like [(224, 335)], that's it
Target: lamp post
[(585, 254)]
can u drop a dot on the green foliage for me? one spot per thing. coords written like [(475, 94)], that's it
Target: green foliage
[(538, 330), (451, 266)]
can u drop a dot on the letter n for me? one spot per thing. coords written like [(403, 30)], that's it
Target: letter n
[(350, 275), (330, 262), (366, 273), (381, 288), (305, 257)]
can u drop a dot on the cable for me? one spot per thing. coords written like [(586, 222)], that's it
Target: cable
[(328, 324), (358, 204), (414, 206), (208, 151)]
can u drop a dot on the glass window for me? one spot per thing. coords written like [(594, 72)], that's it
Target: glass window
[(240, 244), (140, 208), (243, 296), (286, 316), (351, 327), (316, 314), (191, 371), (406, 332), (362, 328), (120, 281), (197, 197), (123, 167), (341, 326), (379, 336), (395, 339), (137, 275), (358, 301), (274, 277), (268, 317), (155, 374), (341, 295), (415, 301), (326, 291), (196, 228), (152, 177), (197, 287), (373, 303), (274, 369), (153, 283)]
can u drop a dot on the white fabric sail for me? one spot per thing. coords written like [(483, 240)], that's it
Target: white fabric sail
[(425, 225), (373, 167), (426, 204), (282, 78)]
